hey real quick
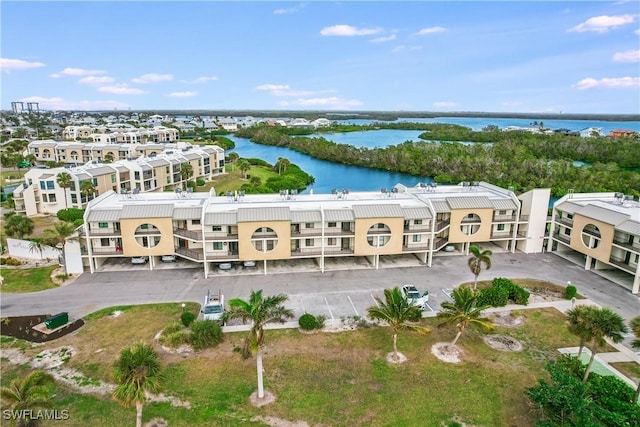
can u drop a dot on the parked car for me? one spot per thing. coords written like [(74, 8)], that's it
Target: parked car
[(225, 266), (249, 264), (168, 258), (412, 295), (139, 260)]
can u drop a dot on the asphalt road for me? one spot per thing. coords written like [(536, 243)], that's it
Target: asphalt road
[(335, 294)]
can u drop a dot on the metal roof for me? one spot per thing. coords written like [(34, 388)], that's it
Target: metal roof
[(191, 156), (602, 214), (221, 218), (470, 202), (45, 175), (103, 170), (441, 206), (305, 216), (145, 167), (631, 227), (335, 215), (264, 214), (82, 176), (568, 207), (147, 211), (187, 213), (158, 162), (504, 204), (104, 215), (377, 211), (417, 213)]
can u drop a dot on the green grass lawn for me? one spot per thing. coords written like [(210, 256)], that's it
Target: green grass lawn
[(336, 379), (234, 178), (18, 280)]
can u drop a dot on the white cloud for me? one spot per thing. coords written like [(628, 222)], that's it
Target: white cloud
[(76, 72), (120, 89), (289, 10), (637, 32), (348, 31), (627, 56), (271, 87), (383, 39), (7, 65), (603, 23), (56, 103), (200, 80), (607, 83), (152, 78), (330, 102), (429, 30), (93, 80), (403, 48), (444, 104), (183, 94)]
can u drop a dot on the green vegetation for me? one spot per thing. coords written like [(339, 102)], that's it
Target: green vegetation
[(21, 280), (545, 161), (465, 310)]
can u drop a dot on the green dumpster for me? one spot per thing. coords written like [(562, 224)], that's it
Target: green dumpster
[(56, 320)]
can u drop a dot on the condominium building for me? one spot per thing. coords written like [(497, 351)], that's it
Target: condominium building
[(600, 231), (153, 171), (209, 229), (125, 134)]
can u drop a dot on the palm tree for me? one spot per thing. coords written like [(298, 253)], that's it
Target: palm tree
[(476, 260), (463, 311), (635, 328), (137, 371), (37, 245), (232, 158), (88, 189), (579, 324), (58, 236), (604, 323), (26, 395), (282, 164), (186, 172), (255, 181), (64, 181), (244, 166), (396, 311), (18, 226), (260, 310)]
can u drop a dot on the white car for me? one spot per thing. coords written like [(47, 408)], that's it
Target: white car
[(139, 260), (225, 266), (413, 296), (249, 264), (168, 258)]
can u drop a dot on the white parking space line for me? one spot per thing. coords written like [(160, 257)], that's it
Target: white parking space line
[(329, 308), (374, 300), (352, 305), (447, 293), (304, 310), (429, 305)]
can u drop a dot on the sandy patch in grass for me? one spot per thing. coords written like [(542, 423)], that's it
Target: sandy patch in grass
[(507, 319), (503, 343), (447, 352)]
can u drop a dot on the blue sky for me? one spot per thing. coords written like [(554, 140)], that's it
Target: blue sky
[(507, 56)]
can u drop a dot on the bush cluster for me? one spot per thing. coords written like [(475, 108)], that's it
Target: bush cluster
[(570, 292), (309, 322), (187, 318), (203, 333), (502, 291), (200, 182), (70, 215), (10, 261)]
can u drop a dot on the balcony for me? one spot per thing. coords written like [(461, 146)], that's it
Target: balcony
[(220, 237), (189, 234), (298, 253), (416, 248), (523, 218), (501, 235), (617, 242), (622, 265), (563, 238), (191, 254), (104, 232), (439, 244), (565, 221), (504, 218), (441, 225)]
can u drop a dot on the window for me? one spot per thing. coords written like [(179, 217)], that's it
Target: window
[(104, 242), (136, 175), (569, 216), (567, 231), (74, 198), (416, 238), (103, 225), (216, 228), (500, 227), (217, 246), (309, 225), (381, 225), (308, 242), (113, 178), (502, 212), (417, 222), (270, 244), (73, 186), (195, 221), (331, 241), (50, 185), (144, 226), (43, 186), (332, 225), (168, 180)]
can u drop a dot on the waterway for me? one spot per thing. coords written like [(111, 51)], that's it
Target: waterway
[(330, 175)]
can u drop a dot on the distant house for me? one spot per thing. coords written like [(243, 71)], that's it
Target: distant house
[(321, 123), (300, 123), (621, 133), (590, 132)]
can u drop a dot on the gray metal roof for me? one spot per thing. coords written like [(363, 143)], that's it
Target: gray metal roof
[(504, 204), (470, 202), (191, 156), (299, 217), (568, 207), (103, 170), (45, 175), (377, 211), (147, 211), (221, 218), (417, 213), (158, 162), (187, 213), (145, 167), (441, 206), (82, 176), (104, 215), (122, 168), (631, 227), (603, 214), (264, 214), (338, 215)]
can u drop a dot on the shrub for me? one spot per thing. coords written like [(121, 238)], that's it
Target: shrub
[(515, 293), (570, 292), (187, 318), (520, 295), (205, 333), (78, 222), (495, 296), (191, 184), (70, 215), (172, 327), (10, 261), (175, 339), (200, 182), (307, 322)]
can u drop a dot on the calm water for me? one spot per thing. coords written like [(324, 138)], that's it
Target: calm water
[(332, 175)]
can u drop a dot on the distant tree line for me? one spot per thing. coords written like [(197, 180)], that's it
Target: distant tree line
[(522, 160)]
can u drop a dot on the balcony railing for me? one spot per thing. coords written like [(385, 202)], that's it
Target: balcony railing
[(563, 238), (415, 248), (624, 244), (622, 265), (507, 218), (565, 221), (189, 253), (103, 233), (501, 235), (189, 234), (441, 225)]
